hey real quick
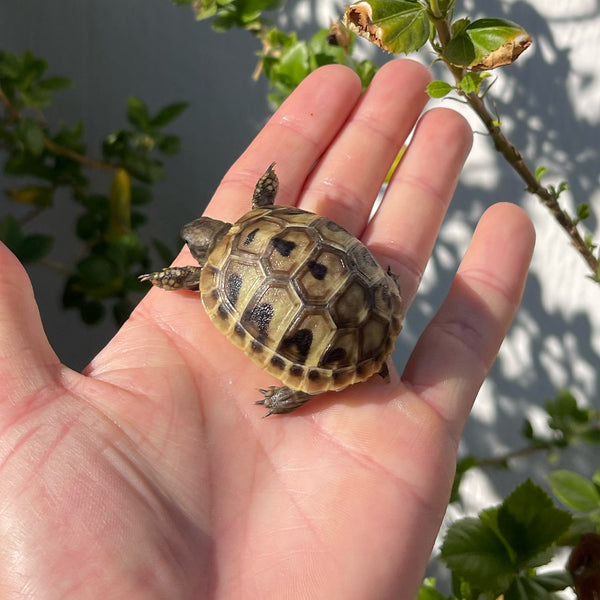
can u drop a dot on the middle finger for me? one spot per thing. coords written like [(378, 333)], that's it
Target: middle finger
[(345, 182)]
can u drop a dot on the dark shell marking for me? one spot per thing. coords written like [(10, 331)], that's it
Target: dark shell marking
[(303, 298)]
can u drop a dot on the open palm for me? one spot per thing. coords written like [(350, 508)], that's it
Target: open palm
[(153, 475)]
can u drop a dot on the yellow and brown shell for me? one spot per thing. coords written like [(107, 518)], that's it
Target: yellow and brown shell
[(303, 298)]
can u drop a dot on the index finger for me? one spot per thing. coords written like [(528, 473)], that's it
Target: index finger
[(294, 138)]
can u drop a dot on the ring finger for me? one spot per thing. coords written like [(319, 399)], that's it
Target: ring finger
[(348, 177)]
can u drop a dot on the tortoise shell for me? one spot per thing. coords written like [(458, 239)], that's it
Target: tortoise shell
[(303, 298)]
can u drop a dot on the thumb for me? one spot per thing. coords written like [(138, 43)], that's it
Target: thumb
[(27, 362)]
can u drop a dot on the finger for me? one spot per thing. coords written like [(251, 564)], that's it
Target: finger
[(347, 179), (294, 138), (27, 362), (457, 349), (404, 229)]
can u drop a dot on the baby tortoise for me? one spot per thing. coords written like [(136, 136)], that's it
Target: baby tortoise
[(302, 297)]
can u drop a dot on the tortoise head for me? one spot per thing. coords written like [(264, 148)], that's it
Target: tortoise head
[(202, 236)]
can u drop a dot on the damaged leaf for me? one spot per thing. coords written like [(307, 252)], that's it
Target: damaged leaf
[(486, 44), (395, 26)]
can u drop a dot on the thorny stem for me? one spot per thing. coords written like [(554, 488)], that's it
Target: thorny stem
[(516, 160)]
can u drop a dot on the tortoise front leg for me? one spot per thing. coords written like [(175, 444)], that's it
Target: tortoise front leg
[(175, 278), (282, 399)]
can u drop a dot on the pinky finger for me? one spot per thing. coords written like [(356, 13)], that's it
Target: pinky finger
[(457, 349)]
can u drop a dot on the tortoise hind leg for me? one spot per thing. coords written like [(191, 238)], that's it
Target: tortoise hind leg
[(282, 399), (175, 278), (266, 189)]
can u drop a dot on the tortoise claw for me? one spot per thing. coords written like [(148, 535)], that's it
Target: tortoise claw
[(282, 399)]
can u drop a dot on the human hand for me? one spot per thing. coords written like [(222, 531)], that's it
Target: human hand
[(153, 475)]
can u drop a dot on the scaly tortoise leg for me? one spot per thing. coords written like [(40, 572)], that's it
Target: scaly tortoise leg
[(282, 399), (175, 278)]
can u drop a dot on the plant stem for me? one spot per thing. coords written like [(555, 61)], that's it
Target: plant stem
[(434, 5), (12, 111), (516, 160), (502, 144), (75, 156), (498, 461)]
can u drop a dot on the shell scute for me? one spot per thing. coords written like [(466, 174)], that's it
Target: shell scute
[(287, 251), (240, 279), (270, 312), (352, 306), (334, 235), (321, 277)]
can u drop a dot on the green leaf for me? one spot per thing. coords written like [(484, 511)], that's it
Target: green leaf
[(137, 113), (460, 26), (540, 172), (96, 271), (238, 13), (34, 247), (168, 144), (527, 429), (140, 195), (31, 133), (583, 211), (526, 588), (10, 233), (427, 591), (90, 225), (575, 491), (292, 67), (55, 83), (366, 70), (486, 44), (530, 523), (41, 196), (439, 89), (203, 9), (32, 68), (27, 248), (10, 66), (553, 581), (394, 25), (321, 52), (471, 82), (472, 550), (168, 113)]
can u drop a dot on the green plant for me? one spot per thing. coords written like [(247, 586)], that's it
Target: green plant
[(500, 551), (45, 161)]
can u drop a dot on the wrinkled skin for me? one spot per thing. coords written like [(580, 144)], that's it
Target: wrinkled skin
[(152, 474)]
